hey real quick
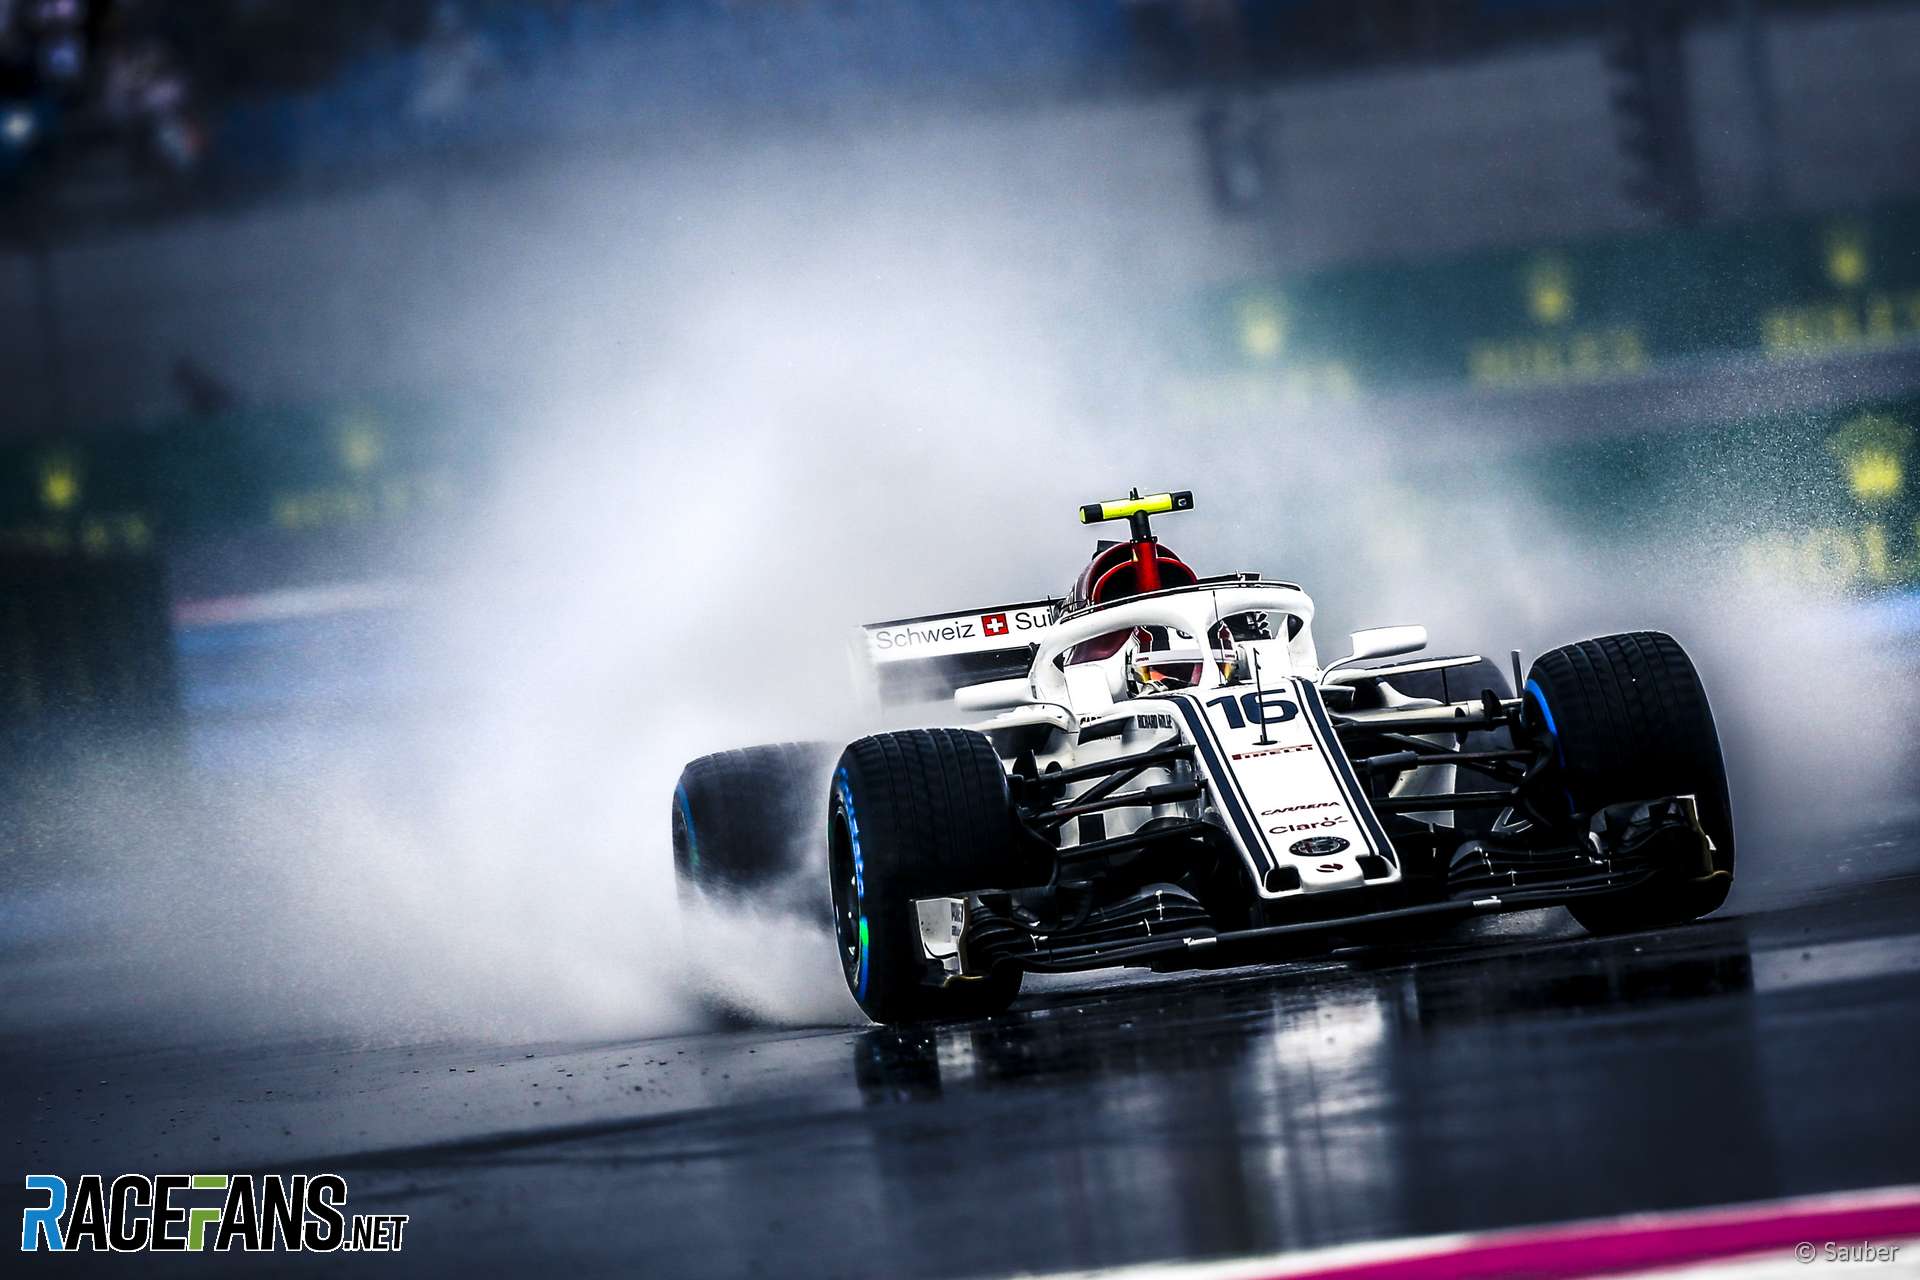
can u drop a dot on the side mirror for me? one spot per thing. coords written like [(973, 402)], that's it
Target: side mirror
[(1385, 642), (1381, 642), (994, 695)]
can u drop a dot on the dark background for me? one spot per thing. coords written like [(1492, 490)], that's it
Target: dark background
[(425, 426)]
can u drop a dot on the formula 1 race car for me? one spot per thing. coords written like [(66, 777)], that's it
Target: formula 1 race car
[(1162, 772)]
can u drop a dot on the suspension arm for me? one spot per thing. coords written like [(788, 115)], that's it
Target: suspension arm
[(1167, 793)]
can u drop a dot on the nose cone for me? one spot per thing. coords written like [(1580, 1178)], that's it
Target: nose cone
[(1329, 873)]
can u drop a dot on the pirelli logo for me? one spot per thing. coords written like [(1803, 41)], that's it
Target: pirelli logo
[(1289, 749)]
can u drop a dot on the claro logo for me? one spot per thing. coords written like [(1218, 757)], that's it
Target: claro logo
[(1309, 824), (1316, 824)]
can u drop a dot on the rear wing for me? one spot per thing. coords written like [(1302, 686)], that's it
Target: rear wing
[(925, 659)]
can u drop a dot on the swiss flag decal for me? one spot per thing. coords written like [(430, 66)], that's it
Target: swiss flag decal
[(994, 624)]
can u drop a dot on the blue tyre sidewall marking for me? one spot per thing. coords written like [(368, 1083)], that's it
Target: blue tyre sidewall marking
[(859, 879), (1539, 697), (1540, 700), (686, 820)]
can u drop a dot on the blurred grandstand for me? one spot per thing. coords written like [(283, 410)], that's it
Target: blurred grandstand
[(1617, 235), (108, 99)]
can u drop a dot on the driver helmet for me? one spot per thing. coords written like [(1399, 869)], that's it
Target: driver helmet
[(1112, 575)]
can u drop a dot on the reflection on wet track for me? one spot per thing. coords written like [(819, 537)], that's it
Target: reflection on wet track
[(1316, 1107), (1520, 1074)]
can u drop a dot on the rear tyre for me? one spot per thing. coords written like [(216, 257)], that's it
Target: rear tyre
[(1628, 720), (918, 814), (746, 824)]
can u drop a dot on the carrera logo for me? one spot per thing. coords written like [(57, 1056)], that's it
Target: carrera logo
[(993, 624), (1317, 847), (1296, 808)]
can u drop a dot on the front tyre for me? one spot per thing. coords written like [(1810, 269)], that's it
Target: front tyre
[(1628, 720), (917, 814)]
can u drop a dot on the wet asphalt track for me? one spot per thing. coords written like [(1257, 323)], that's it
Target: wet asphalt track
[(1524, 1073)]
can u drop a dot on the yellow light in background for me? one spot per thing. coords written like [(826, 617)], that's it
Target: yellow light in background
[(1549, 290), (59, 484), (1874, 475), (1846, 256), (1873, 449), (360, 445), (1263, 326), (135, 532)]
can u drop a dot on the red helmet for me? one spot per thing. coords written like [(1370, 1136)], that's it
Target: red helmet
[(1113, 575)]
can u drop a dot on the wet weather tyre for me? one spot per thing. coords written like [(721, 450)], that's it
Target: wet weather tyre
[(1627, 719), (746, 824), (918, 814)]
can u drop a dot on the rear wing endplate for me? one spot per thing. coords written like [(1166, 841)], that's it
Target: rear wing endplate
[(925, 659)]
